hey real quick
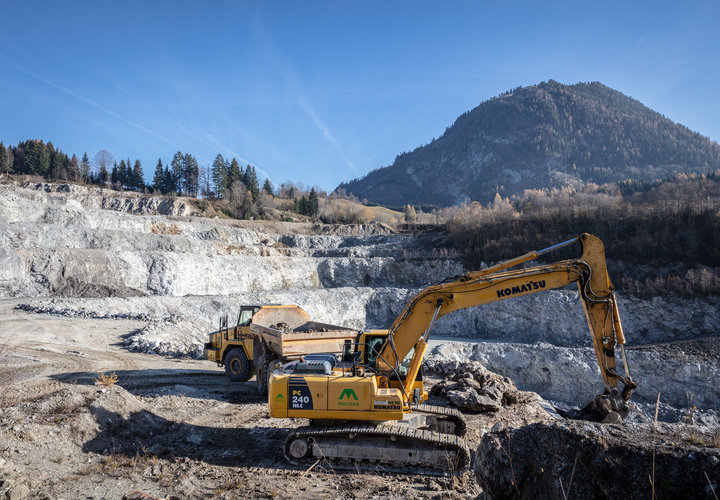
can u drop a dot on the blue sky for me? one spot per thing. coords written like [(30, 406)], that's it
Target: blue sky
[(323, 92)]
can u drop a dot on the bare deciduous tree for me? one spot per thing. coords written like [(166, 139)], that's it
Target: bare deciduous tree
[(103, 160), (205, 181)]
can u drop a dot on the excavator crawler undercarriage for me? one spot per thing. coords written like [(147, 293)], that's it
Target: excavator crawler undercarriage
[(428, 441)]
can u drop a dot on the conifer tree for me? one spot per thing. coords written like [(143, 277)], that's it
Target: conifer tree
[(219, 175), (73, 169), (313, 204), (178, 172), (191, 172), (115, 173), (169, 181), (123, 176), (103, 175), (159, 178), (58, 163), (7, 159), (251, 181), (138, 179), (235, 174), (85, 167), (267, 187), (36, 158)]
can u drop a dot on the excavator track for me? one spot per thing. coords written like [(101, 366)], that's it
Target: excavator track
[(379, 448), (445, 414)]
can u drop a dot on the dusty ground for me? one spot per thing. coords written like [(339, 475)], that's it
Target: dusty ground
[(167, 427), (178, 427)]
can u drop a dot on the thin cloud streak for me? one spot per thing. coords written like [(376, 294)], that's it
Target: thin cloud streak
[(217, 144), (308, 108), (264, 40), (87, 101)]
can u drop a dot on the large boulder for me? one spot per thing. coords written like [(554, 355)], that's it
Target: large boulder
[(469, 386)]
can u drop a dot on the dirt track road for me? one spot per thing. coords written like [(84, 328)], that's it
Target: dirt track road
[(168, 427)]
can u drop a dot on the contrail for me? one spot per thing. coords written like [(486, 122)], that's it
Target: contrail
[(265, 41), (87, 101), (215, 143), (308, 108)]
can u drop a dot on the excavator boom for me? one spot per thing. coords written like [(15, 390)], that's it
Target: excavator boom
[(410, 331)]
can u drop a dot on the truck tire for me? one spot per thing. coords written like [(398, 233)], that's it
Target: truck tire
[(261, 374), (237, 365)]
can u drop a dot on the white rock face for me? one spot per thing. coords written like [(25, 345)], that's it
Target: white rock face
[(54, 244), (571, 375), (79, 251)]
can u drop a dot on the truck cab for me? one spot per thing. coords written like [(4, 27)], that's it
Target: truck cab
[(233, 347)]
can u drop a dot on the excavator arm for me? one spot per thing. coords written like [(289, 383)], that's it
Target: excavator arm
[(409, 333)]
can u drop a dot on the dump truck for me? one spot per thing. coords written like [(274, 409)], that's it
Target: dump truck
[(267, 335)]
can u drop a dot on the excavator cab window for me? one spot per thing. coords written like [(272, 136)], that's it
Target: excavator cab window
[(403, 369), (373, 344)]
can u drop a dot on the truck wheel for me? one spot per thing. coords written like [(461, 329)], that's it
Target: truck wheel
[(261, 375), (237, 366)]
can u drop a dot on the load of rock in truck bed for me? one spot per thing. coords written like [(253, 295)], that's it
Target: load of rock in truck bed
[(309, 327), (287, 331)]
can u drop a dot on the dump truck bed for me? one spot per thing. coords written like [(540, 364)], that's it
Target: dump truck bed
[(309, 337)]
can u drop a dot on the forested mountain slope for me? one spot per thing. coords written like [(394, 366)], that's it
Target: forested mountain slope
[(546, 135)]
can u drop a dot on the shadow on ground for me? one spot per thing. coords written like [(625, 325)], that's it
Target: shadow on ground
[(144, 433), (196, 384)]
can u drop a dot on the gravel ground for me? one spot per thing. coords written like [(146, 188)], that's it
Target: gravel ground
[(168, 426)]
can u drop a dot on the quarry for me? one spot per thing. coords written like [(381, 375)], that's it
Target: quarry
[(95, 283)]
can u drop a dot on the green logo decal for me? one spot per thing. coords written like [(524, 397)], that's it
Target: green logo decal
[(346, 393), (279, 397)]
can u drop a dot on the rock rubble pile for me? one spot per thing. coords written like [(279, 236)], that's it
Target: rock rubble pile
[(470, 387)]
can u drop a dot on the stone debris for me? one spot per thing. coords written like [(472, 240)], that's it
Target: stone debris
[(469, 386), (175, 336), (282, 327)]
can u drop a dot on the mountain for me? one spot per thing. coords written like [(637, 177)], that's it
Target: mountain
[(546, 135)]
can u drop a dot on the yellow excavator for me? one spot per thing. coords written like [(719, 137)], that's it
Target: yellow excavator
[(366, 405)]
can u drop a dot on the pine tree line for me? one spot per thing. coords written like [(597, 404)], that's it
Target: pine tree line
[(128, 177), (182, 176), (34, 157), (226, 174), (308, 205), (236, 187)]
